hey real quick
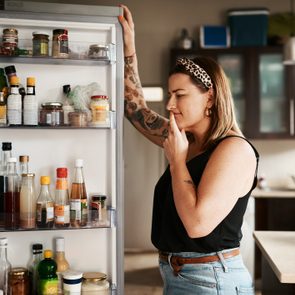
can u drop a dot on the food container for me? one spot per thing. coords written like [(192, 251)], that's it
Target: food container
[(98, 51), (98, 209), (60, 43), (100, 107), (72, 281), (248, 27), (51, 114), (78, 119), (40, 44), (95, 283), (9, 41), (18, 281)]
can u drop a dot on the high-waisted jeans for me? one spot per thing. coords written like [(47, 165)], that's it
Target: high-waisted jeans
[(225, 277)]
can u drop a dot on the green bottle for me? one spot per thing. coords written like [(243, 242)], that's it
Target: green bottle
[(48, 281)]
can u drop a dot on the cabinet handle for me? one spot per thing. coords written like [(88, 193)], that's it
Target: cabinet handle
[(292, 116)]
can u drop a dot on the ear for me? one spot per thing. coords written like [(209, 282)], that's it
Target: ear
[(210, 98)]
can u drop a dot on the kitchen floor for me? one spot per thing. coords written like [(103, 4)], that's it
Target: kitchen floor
[(142, 274)]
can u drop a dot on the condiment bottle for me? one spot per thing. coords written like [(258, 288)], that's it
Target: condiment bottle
[(3, 83), (62, 263), (12, 196), (18, 280), (33, 267), (14, 103), (100, 107), (28, 201), (62, 205), (3, 110), (5, 266), (45, 205), (23, 164), (30, 104), (78, 199), (48, 281)]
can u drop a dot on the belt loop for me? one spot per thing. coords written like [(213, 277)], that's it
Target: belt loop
[(223, 262), (169, 261)]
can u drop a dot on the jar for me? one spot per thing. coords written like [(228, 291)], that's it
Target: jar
[(18, 281), (51, 114), (98, 209), (60, 44), (10, 40), (40, 44), (72, 281), (100, 109), (78, 119), (98, 51), (94, 282)]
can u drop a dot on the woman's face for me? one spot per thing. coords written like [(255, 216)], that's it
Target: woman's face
[(187, 102)]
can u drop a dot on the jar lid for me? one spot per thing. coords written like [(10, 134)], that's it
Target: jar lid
[(98, 46), (94, 276), (40, 33), (60, 31), (24, 159), (28, 175), (18, 271), (98, 197), (52, 104), (72, 275), (99, 97), (10, 30)]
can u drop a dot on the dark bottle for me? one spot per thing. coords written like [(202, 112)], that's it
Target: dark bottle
[(48, 282), (33, 268), (10, 71), (12, 196), (5, 155), (45, 205)]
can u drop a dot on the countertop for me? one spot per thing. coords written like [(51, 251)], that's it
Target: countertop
[(274, 193), (278, 247)]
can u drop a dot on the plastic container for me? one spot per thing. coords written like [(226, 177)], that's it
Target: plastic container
[(72, 281), (95, 283), (248, 27)]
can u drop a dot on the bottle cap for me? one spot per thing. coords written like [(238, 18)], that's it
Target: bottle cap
[(79, 163), (11, 160), (40, 33), (14, 80), (72, 275), (31, 81), (45, 180), (47, 254), (3, 241), (66, 89), (10, 70), (6, 146), (60, 244), (62, 172), (37, 247), (24, 159)]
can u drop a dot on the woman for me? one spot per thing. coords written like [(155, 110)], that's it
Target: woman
[(200, 200)]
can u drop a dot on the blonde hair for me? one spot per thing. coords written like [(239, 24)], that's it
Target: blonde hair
[(222, 115)]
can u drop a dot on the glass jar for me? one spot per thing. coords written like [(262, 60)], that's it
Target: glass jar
[(78, 119), (10, 41), (60, 43), (100, 108), (95, 283), (18, 281), (51, 114), (98, 51), (40, 44), (98, 209)]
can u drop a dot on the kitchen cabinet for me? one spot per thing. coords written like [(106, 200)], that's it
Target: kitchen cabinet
[(95, 247), (262, 88)]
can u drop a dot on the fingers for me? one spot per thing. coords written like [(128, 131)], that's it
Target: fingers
[(127, 16), (172, 123)]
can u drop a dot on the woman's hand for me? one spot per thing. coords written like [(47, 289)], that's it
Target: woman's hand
[(176, 144), (128, 31)]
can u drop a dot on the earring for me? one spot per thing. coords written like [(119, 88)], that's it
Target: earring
[(208, 112)]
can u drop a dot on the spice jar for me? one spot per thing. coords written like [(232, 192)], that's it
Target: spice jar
[(78, 119), (98, 51), (51, 114), (10, 40), (98, 209), (60, 44), (18, 281), (40, 44), (100, 109), (95, 283)]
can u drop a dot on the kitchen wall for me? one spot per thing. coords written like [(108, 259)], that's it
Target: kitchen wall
[(158, 23)]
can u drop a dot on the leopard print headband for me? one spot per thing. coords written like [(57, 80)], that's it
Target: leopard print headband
[(195, 71)]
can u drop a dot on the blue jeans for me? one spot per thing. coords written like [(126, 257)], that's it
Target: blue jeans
[(225, 277)]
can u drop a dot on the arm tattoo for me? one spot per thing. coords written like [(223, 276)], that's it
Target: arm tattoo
[(188, 181)]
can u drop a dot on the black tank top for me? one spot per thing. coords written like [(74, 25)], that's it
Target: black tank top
[(168, 232)]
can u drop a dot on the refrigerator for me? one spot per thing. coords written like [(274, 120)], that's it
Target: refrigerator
[(92, 248)]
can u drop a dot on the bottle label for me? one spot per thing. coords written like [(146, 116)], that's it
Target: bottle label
[(49, 286), (75, 209), (50, 212), (62, 214), (61, 184), (14, 109)]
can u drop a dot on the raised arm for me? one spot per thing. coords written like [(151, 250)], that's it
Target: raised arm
[(149, 123)]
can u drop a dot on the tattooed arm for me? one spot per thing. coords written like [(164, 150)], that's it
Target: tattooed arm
[(149, 123)]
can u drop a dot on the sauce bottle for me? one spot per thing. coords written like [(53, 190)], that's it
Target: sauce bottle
[(61, 261), (45, 208)]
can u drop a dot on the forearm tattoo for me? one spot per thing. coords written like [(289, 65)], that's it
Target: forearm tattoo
[(136, 110)]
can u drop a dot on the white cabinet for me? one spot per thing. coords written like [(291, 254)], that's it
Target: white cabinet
[(87, 249)]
